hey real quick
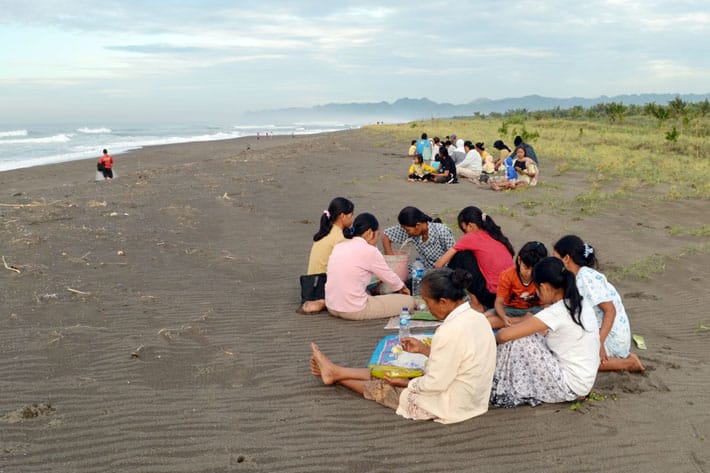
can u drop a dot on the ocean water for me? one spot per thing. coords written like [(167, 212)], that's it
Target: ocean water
[(28, 146)]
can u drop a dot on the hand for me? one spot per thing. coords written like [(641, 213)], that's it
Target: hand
[(401, 382), (405, 290), (414, 345), (525, 317), (602, 355), (507, 322)]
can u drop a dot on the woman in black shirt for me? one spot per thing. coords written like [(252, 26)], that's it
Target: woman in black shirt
[(446, 173)]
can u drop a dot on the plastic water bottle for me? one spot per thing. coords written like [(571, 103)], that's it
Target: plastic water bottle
[(404, 322), (417, 275)]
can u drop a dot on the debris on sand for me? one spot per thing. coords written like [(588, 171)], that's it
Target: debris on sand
[(27, 412)]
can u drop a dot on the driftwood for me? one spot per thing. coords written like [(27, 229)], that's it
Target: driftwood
[(76, 291), (11, 268)]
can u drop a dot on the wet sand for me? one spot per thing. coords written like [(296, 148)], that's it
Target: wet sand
[(152, 319)]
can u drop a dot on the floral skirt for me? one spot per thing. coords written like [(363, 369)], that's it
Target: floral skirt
[(527, 372)]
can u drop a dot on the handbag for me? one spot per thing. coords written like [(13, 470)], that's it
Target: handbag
[(313, 287)]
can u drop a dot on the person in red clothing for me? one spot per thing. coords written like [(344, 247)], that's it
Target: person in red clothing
[(483, 251), (106, 165), (517, 295)]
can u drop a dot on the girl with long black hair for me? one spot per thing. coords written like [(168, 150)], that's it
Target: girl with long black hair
[(613, 322), (559, 366), (334, 221), (483, 251)]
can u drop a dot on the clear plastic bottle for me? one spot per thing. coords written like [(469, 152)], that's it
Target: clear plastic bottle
[(417, 275), (404, 323)]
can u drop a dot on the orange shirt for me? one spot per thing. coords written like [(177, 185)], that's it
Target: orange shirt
[(107, 161), (514, 293)]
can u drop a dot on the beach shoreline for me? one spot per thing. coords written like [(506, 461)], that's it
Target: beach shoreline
[(155, 314), (30, 146)]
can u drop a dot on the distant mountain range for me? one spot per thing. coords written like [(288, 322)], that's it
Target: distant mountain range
[(407, 109)]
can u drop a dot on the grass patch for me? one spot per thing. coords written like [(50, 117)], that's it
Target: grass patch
[(500, 209), (700, 249), (703, 230), (591, 398), (642, 268), (593, 201)]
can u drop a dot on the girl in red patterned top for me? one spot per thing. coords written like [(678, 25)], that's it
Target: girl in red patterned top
[(483, 251)]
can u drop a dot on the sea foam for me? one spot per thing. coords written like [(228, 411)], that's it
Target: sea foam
[(60, 138), (5, 134), (90, 131)]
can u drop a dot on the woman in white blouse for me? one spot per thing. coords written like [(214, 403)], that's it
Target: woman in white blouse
[(457, 380)]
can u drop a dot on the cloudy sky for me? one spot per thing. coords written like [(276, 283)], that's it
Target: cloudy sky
[(190, 60)]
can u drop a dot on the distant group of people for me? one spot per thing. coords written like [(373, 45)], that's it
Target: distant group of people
[(454, 159), (516, 329)]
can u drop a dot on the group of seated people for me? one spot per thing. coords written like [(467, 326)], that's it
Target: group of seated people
[(517, 329), (446, 162)]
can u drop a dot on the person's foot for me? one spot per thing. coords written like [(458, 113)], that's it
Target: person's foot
[(315, 369), (322, 366), (313, 307), (635, 364)]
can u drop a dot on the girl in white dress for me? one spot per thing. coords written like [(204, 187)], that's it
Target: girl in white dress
[(614, 330)]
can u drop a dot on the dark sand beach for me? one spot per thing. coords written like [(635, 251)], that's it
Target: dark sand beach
[(152, 320)]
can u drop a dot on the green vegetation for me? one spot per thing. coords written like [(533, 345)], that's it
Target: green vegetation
[(642, 268), (590, 398), (621, 147), (703, 230)]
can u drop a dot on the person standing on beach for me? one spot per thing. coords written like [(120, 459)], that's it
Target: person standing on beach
[(422, 144), (106, 165)]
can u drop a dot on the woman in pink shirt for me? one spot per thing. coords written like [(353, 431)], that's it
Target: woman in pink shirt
[(483, 251), (350, 268)]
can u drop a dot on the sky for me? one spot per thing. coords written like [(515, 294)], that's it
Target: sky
[(210, 60)]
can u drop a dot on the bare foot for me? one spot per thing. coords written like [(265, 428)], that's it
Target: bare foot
[(313, 307), (325, 368), (635, 363), (315, 369), (630, 363)]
